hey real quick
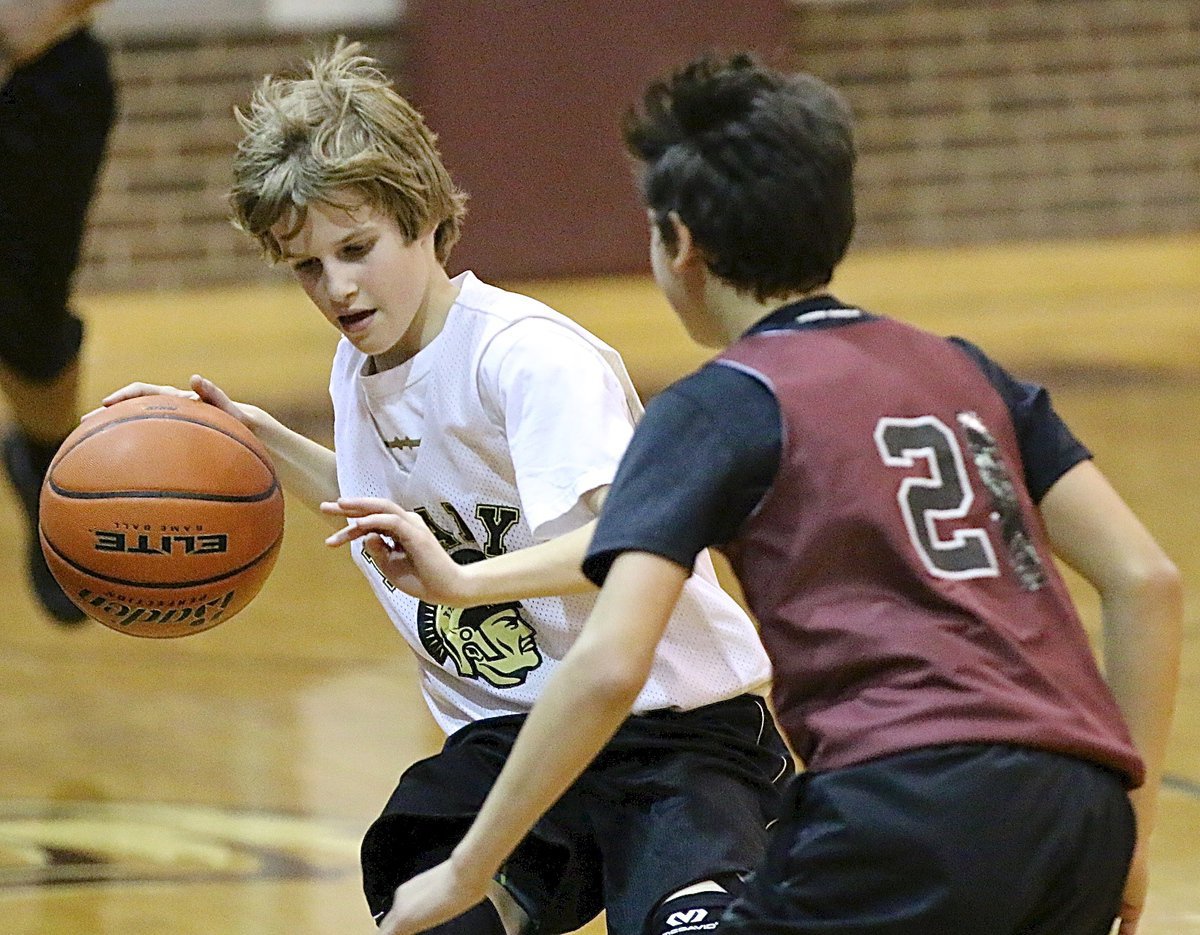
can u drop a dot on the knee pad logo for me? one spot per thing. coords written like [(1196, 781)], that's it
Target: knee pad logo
[(697, 913)]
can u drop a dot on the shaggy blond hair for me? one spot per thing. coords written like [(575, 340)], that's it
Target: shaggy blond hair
[(340, 127)]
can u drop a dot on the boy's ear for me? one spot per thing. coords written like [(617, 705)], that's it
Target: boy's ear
[(687, 254), (429, 234)]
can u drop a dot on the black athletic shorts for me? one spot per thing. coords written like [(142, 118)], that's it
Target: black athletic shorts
[(674, 798), (956, 840)]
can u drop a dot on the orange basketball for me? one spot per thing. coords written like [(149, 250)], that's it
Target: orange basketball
[(161, 516)]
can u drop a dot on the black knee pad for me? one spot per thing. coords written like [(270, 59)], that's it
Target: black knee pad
[(693, 914)]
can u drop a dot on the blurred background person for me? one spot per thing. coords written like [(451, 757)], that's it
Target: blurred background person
[(57, 106)]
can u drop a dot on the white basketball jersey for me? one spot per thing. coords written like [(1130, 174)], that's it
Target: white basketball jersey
[(493, 432)]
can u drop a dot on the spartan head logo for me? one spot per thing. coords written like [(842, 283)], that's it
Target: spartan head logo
[(493, 642)]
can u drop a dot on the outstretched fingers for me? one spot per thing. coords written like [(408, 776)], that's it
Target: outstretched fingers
[(354, 507), (379, 524), (372, 514)]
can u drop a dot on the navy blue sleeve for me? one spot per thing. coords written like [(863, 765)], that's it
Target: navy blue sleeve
[(699, 462), (1048, 448)]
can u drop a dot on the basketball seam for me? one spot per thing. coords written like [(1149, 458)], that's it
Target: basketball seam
[(172, 418), (161, 494)]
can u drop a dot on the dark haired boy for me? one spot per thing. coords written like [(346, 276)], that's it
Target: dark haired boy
[(891, 502)]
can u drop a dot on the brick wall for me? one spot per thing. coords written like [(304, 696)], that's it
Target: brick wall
[(978, 122), (1027, 119)]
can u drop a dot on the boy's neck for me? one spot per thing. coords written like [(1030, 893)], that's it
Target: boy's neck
[(737, 312), (427, 324)]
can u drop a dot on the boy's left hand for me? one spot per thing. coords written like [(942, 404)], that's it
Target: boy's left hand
[(402, 548), (431, 898)]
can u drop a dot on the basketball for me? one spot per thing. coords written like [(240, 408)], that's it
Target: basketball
[(161, 516)]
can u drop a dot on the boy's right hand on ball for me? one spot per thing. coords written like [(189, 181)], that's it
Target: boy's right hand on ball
[(202, 389)]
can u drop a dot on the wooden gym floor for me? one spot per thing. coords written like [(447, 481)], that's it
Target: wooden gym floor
[(219, 784)]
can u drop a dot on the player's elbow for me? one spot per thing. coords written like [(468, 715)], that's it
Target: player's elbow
[(618, 689), (1151, 586), (1163, 584), (1165, 579), (1151, 578), (612, 682)]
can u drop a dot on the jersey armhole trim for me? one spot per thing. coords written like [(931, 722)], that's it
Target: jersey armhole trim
[(766, 383)]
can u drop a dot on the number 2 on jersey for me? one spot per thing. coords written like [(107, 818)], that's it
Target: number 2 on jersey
[(943, 494)]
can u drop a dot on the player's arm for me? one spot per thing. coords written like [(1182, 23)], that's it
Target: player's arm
[(544, 570), (29, 27), (1095, 532), (410, 557), (580, 709), (307, 469)]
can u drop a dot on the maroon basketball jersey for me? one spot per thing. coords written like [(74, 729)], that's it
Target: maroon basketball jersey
[(898, 565)]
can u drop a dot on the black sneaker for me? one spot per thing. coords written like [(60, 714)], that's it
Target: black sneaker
[(28, 483)]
